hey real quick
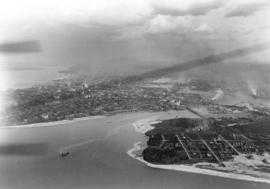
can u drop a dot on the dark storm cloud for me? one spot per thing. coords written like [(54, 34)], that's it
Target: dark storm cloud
[(246, 10), (195, 10), (20, 47)]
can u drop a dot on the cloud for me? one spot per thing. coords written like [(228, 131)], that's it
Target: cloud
[(164, 24), (204, 28), (245, 10), (181, 8), (82, 12), (180, 25)]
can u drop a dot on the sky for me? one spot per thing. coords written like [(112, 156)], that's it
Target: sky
[(125, 36)]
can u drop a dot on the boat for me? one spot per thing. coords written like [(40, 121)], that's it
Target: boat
[(64, 153)]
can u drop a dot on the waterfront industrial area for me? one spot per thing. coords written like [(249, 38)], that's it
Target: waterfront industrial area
[(66, 99)]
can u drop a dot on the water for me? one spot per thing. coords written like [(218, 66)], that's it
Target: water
[(14, 79), (101, 163)]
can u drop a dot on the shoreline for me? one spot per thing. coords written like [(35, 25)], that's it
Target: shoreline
[(51, 123), (61, 122), (65, 121), (192, 169), (143, 126)]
